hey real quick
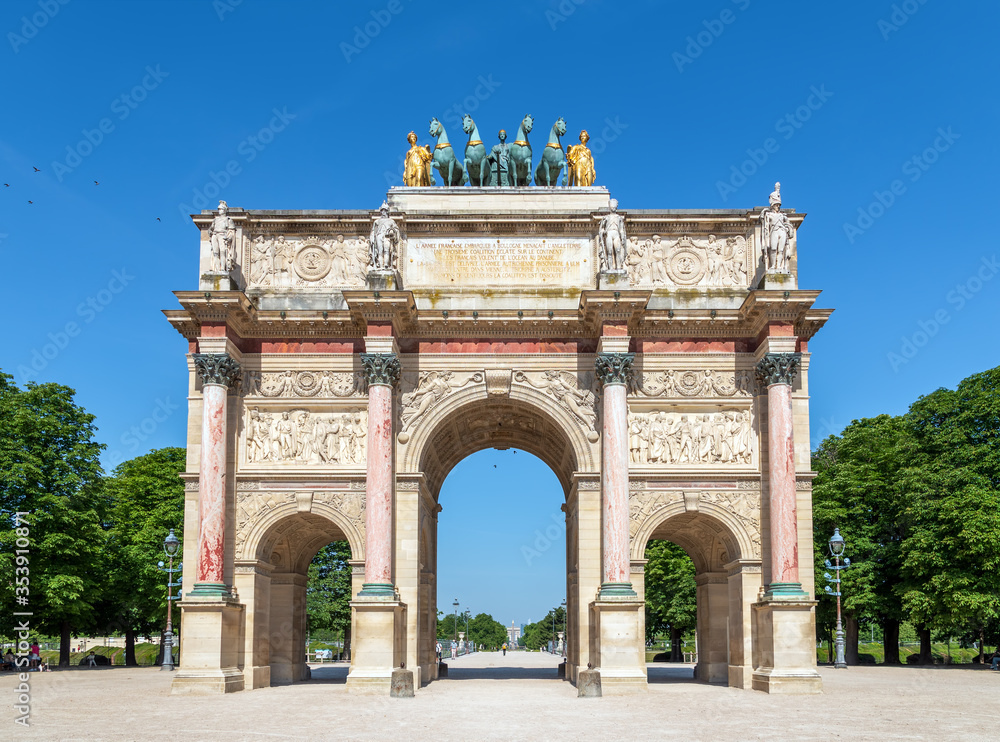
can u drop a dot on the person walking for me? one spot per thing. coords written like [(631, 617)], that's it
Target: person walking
[(504, 649), (91, 659)]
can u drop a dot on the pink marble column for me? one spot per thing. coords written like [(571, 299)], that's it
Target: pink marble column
[(382, 371), (778, 371), (614, 369), (217, 372)]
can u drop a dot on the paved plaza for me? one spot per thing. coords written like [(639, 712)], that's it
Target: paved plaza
[(517, 697)]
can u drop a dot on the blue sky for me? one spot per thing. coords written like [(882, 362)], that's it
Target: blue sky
[(878, 118)]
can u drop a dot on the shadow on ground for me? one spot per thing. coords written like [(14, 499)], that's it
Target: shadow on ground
[(669, 674), (501, 673), (332, 674)]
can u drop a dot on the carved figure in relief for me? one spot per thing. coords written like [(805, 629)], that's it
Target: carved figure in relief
[(340, 261), (612, 241), (776, 234), (262, 259), (706, 438), (580, 163), (734, 260), (283, 253), (417, 167), (221, 233), (384, 240), (562, 386), (432, 386), (305, 436), (716, 272)]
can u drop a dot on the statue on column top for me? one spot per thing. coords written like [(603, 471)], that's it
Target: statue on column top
[(580, 163), (222, 232), (611, 240), (384, 240), (776, 234), (417, 168)]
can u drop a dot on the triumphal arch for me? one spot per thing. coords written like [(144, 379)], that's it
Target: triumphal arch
[(341, 363)]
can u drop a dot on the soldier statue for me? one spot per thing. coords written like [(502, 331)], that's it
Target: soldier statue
[(222, 232), (611, 240), (384, 240), (776, 234)]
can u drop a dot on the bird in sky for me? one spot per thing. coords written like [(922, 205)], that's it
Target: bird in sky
[(157, 218), (7, 185), (37, 170), (96, 183), (31, 202)]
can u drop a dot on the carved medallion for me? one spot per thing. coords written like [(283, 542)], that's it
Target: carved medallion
[(312, 263), (686, 266)]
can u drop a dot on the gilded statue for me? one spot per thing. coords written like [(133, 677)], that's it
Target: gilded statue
[(417, 168), (580, 163)]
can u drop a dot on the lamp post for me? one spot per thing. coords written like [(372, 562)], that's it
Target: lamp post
[(837, 545), (565, 626), (170, 546), (455, 641)]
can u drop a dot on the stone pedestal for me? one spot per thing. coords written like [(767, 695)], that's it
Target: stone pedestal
[(210, 644), (778, 282), (215, 281), (785, 646), (384, 280), (379, 628), (620, 644), (613, 280)]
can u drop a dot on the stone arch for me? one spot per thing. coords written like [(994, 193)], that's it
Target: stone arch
[(311, 517), (469, 420), (686, 515)]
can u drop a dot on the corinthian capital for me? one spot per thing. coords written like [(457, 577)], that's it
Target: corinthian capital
[(217, 368), (614, 368), (778, 368), (381, 368)]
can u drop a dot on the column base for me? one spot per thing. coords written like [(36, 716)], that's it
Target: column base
[(786, 589), (210, 640), (377, 643), (377, 590), (607, 280), (616, 590), (383, 280), (784, 646), (213, 590), (616, 623)]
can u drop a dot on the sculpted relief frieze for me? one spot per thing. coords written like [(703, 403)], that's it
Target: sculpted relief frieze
[(697, 438), (745, 507), (319, 384), (308, 261), (429, 388), (304, 437), (577, 395), (702, 383), (688, 261)]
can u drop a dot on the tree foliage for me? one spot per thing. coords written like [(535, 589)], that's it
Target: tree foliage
[(50, 469), (670, 591), (917, 497), (328, 592), (538, 634)]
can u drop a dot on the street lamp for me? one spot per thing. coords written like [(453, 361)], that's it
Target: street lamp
[(170, 546), (837, 545), (565, 626), (456, 620)]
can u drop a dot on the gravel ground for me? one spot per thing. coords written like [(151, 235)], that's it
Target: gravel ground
[(517, 697)]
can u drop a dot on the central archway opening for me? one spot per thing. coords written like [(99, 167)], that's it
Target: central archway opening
[(502, 560), (501, 536)]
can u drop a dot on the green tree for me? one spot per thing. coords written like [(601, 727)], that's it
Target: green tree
[(328, 592), (860, 488), (145, 498), (538, 634), (486, 631), (951, 562), (50, 469), (670, 594)]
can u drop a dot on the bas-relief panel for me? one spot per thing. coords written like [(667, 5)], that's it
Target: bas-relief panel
[(694, 383), (319, 384), (699, 436), (308, 261), (303, 437), (710, 261)]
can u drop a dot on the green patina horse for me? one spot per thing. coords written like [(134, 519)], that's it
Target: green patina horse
[(520, 153), (450, 169), (475, 153), (553, 158)]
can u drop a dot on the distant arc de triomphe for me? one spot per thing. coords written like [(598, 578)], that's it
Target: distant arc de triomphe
[(342, 362)]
